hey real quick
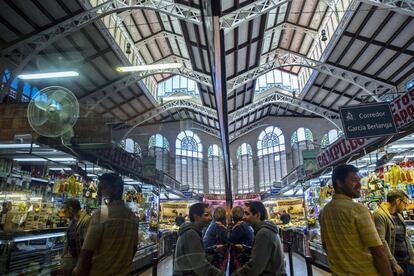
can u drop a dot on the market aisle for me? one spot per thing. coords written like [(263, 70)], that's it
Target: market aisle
[(299, 266), (165, 267)]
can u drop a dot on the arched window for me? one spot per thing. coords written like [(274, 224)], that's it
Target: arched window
[(245, 181), (131, 146), (159, 148), (189, 160), (329, 138), (215, 170), (272, 157), (302, 139)]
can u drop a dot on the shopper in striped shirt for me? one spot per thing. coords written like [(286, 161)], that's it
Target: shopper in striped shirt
[(348, 232)]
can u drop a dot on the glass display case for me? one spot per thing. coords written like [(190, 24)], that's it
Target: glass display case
[(31, 252), (316, 249), (147, 247)]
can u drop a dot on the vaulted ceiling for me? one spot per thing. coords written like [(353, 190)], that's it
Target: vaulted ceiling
[(372, 45)]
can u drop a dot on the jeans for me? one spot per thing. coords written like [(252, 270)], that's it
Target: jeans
[(408, 268)]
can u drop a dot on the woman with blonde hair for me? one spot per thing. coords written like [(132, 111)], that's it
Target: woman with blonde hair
[(215, 239)]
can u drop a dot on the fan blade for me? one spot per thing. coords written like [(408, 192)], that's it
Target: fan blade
[(53, 111)]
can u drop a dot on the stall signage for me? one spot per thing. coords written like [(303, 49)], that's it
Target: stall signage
[(309, 161), (403, 112), (274, 191), (368, 120), (403, 109), (188, 194)]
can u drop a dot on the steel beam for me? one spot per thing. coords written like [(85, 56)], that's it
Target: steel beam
[(206, 129), (235, 18), (130, 79), (289, 26), (274, 96), (281, 58), (399, 6), (27, 48), (246, 129), (160, 35), (139, 120)]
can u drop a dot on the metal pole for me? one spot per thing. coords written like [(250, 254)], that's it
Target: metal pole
[(309, 265), (289, 244), (155, 264)]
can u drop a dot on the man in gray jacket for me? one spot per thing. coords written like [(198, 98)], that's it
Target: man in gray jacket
[(393, 232), (267, 256), (190, 257)]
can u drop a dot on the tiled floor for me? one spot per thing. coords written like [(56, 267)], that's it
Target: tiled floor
[(165, 267)]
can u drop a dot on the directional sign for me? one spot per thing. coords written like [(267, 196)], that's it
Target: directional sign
[(368, 120)]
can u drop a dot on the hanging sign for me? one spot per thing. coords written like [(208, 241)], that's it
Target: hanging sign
[(368, 120), (274, 191), (403, 112), (309, 161), (188, 194)]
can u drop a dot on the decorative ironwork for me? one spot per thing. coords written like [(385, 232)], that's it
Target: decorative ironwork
[(280, 58), (275, 96), (399, 6), (248, 12)]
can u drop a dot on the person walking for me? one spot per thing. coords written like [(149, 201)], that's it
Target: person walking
[(348, 231), (267, 256), (112, 238), (393, 232), (75, 234), (241, 239), (215, 239), (190, 257)]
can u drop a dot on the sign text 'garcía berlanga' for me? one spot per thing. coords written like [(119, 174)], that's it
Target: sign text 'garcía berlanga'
[(368, 120)]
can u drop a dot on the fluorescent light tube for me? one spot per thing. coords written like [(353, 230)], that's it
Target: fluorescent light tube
[(148, 67), (404, 156), (17, 146), (402, 146), (59, 169), (42, 159), (49, 75), (94, 169)]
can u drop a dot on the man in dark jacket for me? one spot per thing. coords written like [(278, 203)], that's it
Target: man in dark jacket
[(179, 220), (190, 258), (285, 217), (267, 255)]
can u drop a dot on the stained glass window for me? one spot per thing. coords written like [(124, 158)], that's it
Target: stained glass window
[(159, 148), (189, 160), (245, 180), (271, 157), (302, 139), (159, 141), (215, 170), (330, 137)]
